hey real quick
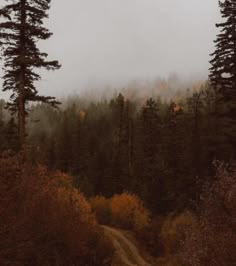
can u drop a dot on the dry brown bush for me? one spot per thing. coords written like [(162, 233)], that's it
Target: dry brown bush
[(173, 232), (150, 236), (164, 235), (212, 241), (44, 221)]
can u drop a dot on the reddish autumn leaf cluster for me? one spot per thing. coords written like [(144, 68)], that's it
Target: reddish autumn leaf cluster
[(44, 221), (124, 210)]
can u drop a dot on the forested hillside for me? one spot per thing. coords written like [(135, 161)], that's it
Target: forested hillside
[(146, 176), (162, 151)]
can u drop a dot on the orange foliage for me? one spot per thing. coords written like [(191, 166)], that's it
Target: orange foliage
[(177, 108), (123, 210), (128, 211), (101, 207), (44, 221), (82, 115)]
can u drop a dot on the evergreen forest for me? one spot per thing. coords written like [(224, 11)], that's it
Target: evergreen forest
[(143, 176)]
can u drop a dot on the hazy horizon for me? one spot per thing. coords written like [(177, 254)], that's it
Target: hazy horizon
[(111, 43)]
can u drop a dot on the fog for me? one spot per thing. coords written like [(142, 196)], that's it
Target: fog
[(113, 42)]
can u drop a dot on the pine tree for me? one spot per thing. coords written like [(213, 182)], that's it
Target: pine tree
[(11, 135), (19, 37), (2, 127), (63, 145), (119, 153), (147, 162), (223, 70), (195, 106)]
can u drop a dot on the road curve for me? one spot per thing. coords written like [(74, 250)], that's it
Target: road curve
[(126, 251)]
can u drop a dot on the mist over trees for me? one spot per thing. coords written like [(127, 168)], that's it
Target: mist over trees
[(155, 150)]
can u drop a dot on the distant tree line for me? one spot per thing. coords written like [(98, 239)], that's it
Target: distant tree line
[(162, 151)]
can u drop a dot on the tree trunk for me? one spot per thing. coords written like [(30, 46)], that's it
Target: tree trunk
[(21, 111)]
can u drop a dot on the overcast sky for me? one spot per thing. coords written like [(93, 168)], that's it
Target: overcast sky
[(112, 41)]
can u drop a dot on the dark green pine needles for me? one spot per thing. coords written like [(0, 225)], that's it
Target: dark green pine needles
[(21, 28), (223, 70)]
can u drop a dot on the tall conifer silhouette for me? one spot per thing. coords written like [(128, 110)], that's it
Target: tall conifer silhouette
[(223, 70), (19, 37)]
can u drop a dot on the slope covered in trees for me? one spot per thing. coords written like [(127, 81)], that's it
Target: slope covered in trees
[(162, 151), (44, 220), (161, 167)]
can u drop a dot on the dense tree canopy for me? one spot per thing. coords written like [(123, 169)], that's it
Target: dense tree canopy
[(158, 150)]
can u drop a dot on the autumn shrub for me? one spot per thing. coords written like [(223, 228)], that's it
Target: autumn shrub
[(173, 231), (150, 237), (163, 236), (44, 221), (211, 241), (101, 207), (128, 212)]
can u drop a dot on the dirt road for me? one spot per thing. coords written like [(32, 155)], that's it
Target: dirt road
[(126, 252)]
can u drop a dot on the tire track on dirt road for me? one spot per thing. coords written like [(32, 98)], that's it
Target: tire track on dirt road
[(126, 251)]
